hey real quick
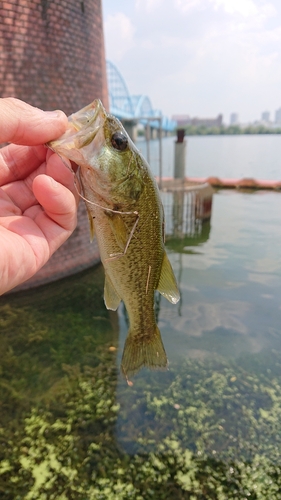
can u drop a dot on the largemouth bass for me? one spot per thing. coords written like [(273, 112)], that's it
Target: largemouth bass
[(126, 214)]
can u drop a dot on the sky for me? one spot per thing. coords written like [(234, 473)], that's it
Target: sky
[(198, 57)]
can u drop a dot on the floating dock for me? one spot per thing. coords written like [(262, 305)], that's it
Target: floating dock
[(216, 182)]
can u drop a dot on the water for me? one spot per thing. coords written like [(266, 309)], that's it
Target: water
[(256, 156), (210, 427), (230, 285)]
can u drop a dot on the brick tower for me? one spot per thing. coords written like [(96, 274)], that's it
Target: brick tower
[(52, 56)]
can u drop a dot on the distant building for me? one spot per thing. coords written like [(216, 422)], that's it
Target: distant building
[(265, 116), (234, 119), (207, 122), (278, 116), (182, 120)]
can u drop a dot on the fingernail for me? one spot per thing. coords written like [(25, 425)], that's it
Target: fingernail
[(54, 183), (57, 114)]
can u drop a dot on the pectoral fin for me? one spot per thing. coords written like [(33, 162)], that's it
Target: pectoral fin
[(111, 297), (167, 285), (119, 229), (91, 223)]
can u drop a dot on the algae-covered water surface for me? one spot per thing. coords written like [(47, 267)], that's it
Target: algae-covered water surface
[(209, 428)]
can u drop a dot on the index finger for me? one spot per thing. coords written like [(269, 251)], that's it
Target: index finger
[(23, 124)]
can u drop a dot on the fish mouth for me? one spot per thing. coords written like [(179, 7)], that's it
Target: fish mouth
[(83, 127)]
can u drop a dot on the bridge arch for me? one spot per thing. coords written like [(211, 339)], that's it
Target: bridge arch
[(143, 106), (120, 101), (131, 107)]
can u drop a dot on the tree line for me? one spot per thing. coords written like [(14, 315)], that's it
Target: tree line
[(229, 130)]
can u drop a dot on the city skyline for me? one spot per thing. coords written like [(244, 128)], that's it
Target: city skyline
[(234, 119), (200, 57)]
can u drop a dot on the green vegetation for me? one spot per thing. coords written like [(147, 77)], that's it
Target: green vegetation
[(230, 130), (71, 429)]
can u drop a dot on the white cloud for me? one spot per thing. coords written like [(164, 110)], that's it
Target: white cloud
[(185, 6), (119, 34), (148, 5), (244, 7)]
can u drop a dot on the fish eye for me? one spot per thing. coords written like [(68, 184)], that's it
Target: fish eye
[(119, 141)]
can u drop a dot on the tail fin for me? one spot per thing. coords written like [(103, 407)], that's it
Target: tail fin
[(146, 350)]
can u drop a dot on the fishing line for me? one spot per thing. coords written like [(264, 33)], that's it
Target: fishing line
[(85, 199), (147, 281), (121, 254), (104, 208), (114, 256), (76, 180)]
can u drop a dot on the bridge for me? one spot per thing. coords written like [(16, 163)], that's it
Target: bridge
[(133, 108)]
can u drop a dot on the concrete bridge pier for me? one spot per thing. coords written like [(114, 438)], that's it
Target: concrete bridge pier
[(151, 132), (154, 133)]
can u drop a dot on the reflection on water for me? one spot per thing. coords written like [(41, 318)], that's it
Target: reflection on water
[(209, 428), (183, 227)]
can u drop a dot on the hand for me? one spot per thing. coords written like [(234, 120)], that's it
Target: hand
[(38, 201)]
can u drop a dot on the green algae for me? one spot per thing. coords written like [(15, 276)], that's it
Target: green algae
[(206, 441), (71, 428)]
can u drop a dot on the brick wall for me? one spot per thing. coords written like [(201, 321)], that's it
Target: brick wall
[(52, 56)]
